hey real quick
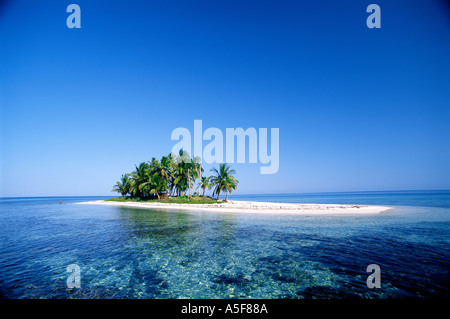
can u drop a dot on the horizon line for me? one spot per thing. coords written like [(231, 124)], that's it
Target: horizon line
[(244, 194)]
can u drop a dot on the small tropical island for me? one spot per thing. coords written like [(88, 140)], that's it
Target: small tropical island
[(177, 182), (175, 179)]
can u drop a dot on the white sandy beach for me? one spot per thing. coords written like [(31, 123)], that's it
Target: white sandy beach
[(257, 207)]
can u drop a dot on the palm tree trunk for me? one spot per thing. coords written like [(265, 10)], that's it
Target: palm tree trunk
[(226, 198), (189, 183), (200, 178)]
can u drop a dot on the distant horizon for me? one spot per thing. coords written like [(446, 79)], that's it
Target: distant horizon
[(251, 194)]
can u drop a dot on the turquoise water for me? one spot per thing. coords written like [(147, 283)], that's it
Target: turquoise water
[(137, 253)]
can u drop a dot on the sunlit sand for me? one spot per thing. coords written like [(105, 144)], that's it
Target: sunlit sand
[(256, 207)]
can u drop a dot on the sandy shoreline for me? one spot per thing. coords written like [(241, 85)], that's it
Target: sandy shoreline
[(257, 207)]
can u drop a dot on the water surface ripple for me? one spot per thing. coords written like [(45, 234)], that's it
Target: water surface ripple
[(137, 253)]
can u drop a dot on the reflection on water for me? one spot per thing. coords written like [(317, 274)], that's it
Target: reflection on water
[(137, 253)]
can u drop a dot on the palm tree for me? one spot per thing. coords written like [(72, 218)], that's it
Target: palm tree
[(122, 186), (194, 172), (200, 177), (139, 177), (169, 165), (181, 172), (204, 184), (230, 184), (159, 170), (180, 181), (155, 185), (219, 181), (175, 173), (150, 179)]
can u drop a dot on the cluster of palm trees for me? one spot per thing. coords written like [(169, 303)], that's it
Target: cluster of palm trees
[(175, 175)]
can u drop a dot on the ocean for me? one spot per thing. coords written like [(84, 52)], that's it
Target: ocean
[(122, 252)]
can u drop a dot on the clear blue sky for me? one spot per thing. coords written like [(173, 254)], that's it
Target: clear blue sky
[(357, 108)]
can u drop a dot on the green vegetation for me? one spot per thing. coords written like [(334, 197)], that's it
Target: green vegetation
[(173, 180), (178, 200), (223, 180)]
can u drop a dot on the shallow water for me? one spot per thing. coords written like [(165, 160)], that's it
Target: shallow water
[(138, 253)]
